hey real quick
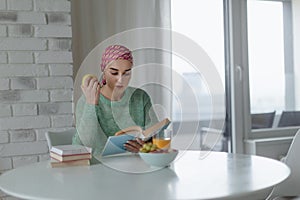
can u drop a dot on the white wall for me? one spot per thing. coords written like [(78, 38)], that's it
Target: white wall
[(296, 35), (36, 85)]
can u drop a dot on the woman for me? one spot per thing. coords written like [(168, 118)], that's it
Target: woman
[(111, 105)]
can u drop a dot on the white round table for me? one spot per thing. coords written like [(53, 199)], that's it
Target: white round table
[(218, 175)]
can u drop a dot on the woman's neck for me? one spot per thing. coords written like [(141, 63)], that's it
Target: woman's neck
[(110, 94)]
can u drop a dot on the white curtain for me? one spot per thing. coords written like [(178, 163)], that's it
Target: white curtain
[(142, 26)]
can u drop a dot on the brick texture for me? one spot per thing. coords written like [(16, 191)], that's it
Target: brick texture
[(3, 31), (2, 4), (21, 30), (61, 70), (19, 5), (36, 84), (16, 70), (3, 57), (53, 31), (20, 57), (25, 44), (4, 83), (53, 5), (4, 138)]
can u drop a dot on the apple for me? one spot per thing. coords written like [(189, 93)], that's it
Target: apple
[(86, 76)]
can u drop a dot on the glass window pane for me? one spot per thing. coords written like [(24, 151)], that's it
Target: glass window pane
[(266, 56), (266, 61), (270, 77), (202, 21)]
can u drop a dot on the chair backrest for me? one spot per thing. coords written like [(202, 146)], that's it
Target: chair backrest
[(291, 186), (59, 138), (289, 118), (262, 120)]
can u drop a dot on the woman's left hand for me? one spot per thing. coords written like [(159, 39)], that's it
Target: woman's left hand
[(134, 145)]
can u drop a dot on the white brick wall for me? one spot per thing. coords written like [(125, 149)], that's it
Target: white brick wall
[(2, 4), (24, 109), (20, 30), (59, 44), (53, 57), (3, 31), (61, 70), (20, 57), (25, 148), (4, 83), (3, 57), (54, 5), (61, 95), (23, 135), (25, 44), (36, 84), (55, 82), (24, 122), (4, 137), (61, 120), (59, 18), (19, 5), (5, 163), (16, 70), (55, 31), (23, 83), (22, 18), (5, 110), (24, 160)]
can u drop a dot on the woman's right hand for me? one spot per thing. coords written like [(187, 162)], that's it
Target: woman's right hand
[(91, 90)]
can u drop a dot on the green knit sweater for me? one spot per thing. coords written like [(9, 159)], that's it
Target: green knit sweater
[(94, 123)]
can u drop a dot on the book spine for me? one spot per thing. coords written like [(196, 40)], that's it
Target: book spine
[(71, 152), (69, 164), (69, 161), (69, 155)]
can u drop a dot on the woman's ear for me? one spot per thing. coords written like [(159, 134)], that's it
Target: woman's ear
[(103, 79)]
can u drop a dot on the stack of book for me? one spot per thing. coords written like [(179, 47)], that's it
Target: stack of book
[(70, 155)]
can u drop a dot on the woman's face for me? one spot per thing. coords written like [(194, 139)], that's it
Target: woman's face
[(118, 75)]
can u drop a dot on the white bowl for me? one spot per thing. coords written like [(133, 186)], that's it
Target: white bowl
[(159, 159)]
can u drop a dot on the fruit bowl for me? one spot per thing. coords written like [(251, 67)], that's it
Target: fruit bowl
[(159, 158)]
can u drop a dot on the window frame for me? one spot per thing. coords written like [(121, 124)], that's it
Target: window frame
[(238, 66)]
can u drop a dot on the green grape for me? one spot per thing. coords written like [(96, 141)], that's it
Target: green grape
[(148, 148), (144, 151), (152, 148)]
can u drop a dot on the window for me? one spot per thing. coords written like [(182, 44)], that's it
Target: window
[(202, 21), (195, 105), (271, 74), (266, 56)]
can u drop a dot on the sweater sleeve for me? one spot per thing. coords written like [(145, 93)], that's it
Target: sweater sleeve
[(88, 130)]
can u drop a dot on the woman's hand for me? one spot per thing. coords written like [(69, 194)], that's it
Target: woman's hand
[(134, 145), (91, 90)]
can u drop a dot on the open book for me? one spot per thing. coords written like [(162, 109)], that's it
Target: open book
[(115, 144)]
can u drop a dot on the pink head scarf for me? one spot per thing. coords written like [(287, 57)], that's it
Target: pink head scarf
[(115, 52)]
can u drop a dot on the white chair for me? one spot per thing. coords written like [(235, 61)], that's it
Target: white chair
[(291, 186), (213, 139), (59, 138)]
